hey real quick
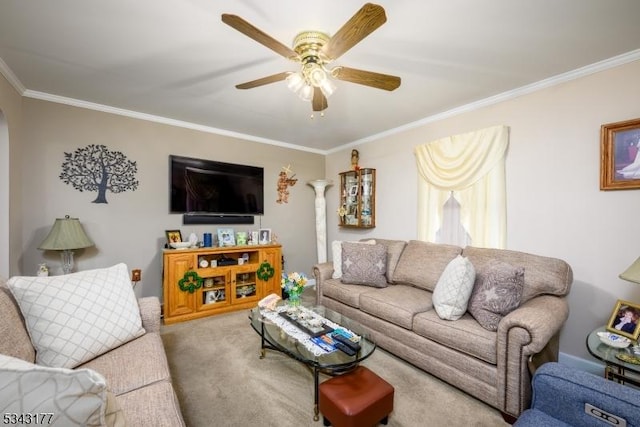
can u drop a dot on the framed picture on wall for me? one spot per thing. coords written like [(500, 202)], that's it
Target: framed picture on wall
[(620, 155), (625, 320)]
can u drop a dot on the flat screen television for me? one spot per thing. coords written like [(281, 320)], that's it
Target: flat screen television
[(199, 186)]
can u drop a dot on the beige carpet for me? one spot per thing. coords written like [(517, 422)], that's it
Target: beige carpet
[(220, 381)]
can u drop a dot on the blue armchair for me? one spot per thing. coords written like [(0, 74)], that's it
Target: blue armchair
[(563, 396)]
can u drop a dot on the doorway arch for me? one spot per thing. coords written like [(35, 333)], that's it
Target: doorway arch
[(4, 196)]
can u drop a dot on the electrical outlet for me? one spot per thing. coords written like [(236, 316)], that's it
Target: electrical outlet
[(136, 275)]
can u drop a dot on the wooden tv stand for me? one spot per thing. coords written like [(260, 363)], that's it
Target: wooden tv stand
[(194, 286)]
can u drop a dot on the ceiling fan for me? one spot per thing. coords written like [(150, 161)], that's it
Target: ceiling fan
[(314, 51)]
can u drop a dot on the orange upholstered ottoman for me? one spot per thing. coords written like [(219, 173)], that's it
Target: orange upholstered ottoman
[(358, 398)]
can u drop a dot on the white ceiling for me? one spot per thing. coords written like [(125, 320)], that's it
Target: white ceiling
[(176, 60)]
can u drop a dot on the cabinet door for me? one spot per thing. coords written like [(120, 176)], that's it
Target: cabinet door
[(367, 198), (178, 302), (244, 285), (358, 198), (349, 190), (272, 256), (215, 292)]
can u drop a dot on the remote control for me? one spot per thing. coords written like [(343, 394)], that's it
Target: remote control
[(343, 333), (345, 349), (346, 341)]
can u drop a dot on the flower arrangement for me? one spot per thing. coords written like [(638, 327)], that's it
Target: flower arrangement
[(293, 284)]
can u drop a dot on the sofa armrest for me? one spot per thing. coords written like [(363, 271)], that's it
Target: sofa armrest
[(524, 332), (322, 272), (150, 313), (561, 392), (542, 317)]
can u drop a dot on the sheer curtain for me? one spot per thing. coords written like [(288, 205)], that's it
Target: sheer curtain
[(472, 166), (451, 230)]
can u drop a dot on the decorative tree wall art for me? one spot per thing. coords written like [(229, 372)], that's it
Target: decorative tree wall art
[(96, 168)]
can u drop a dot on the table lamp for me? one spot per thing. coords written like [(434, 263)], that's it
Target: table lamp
[(66, 235), (632, 274)]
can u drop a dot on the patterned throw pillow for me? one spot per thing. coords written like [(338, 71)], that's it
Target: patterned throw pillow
[(76, 317), (57, 396), (497, 292), (336, 251), (364, 264), (453, 290)]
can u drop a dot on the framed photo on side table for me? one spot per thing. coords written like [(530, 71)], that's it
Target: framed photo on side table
[(620, 155), (625, 320)]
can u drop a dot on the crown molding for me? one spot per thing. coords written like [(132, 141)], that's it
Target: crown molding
[(606, 64), (163, 120), (11, 78)]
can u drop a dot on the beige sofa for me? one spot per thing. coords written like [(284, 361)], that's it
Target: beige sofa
[(137, 372), (491, 366)]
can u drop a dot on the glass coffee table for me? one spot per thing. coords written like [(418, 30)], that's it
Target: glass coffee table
[(283, 333), (616, 369)]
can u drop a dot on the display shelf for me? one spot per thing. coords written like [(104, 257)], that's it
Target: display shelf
[(206, 281), (358, 198)]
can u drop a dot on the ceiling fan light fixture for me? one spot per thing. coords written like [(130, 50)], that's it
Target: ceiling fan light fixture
[(314, 51), (306, 93), (328, 87), (315, 74), (295, 82), (309, 43)]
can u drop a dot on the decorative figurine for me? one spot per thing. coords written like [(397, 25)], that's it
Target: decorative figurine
[(43, 270), (284, 182), (355, 157)]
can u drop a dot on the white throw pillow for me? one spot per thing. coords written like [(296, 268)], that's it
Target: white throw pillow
[(76, 317), (51, 396), (453, 290), (336, 251)]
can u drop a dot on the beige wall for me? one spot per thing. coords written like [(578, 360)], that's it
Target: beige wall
[(554, 205), (130, 228), (10, 196)]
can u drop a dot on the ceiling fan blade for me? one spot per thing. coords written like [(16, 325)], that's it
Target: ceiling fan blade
[(367, 78), (319, 101), (365, 21), (264, 81), (261, 37)]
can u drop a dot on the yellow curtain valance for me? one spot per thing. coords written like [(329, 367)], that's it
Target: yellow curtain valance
[(472, 166), (457, 162)]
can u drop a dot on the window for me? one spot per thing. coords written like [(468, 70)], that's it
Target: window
[(472, 167), (452, 230)]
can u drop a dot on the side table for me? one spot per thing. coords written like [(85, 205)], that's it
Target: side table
[(615, 369)]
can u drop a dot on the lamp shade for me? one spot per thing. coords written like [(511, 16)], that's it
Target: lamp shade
[(66, 233), (632, 274)]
